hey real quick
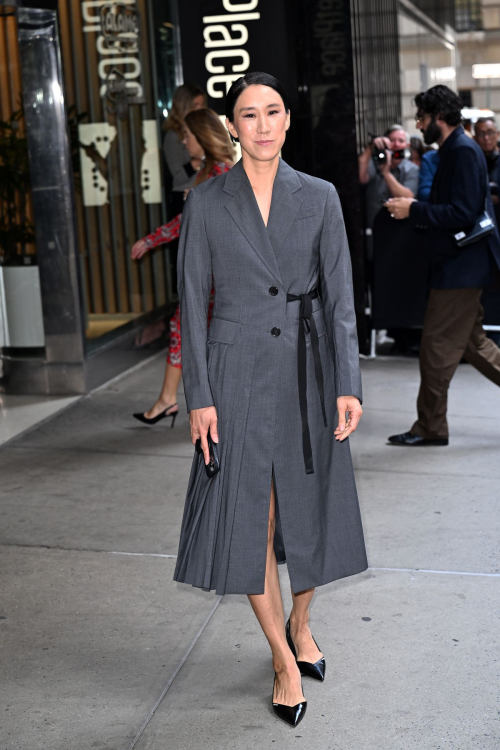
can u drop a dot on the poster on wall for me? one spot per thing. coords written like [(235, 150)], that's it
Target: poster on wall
[(115, 30)]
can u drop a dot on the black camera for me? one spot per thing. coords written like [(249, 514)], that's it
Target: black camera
[(380, 155)]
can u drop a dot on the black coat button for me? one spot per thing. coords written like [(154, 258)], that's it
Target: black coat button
[(273, 291), (275, 331)]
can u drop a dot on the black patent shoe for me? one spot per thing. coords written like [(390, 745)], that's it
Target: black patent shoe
[(292, 715), (415, 441), (162, 415), (316, 670)]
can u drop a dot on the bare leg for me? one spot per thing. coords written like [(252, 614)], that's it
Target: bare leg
[(168, 393), (268, 608), (299, 627)]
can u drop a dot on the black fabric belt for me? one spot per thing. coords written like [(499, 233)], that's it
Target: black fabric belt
[(308, 323)]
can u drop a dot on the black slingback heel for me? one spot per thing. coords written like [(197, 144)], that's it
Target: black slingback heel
[(317, 670), (162, 415)]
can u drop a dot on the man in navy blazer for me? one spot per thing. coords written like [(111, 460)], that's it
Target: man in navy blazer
[(453, 320)]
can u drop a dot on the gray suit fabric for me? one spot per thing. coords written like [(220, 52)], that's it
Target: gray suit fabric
[(251, 377)]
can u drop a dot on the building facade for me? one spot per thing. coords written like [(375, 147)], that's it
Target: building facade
[(478, 40), (85, 87)]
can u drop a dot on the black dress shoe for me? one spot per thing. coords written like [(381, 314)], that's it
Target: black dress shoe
[(293, 715), (316, 670), (408, 438)]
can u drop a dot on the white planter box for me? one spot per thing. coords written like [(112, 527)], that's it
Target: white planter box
[(21, 317)]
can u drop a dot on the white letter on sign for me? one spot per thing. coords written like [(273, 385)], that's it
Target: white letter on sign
[(244, 65), (227, 40), (237, 7)]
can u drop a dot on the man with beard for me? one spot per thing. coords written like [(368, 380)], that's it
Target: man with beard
[(452, 325)]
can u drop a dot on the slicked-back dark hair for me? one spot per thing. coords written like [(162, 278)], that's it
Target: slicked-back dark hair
[(253, 79), (440, 101)]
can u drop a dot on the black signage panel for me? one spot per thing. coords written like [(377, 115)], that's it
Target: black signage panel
[(221, 40), (307, 45)]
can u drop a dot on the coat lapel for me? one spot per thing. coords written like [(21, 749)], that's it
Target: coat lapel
[(285, 206), (245, 212)]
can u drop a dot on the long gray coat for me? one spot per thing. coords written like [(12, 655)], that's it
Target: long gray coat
[(249, 371)]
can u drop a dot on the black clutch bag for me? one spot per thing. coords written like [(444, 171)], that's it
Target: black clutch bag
[(213, 466), (482, 228)]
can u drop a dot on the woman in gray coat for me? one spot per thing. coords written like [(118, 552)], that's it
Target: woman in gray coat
[(275, 381)]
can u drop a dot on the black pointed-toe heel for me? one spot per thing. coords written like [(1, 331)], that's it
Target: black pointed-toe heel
[(162, 415), (292, 715), (317, 670)]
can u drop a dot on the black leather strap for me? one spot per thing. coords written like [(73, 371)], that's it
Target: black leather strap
[(307, 323)]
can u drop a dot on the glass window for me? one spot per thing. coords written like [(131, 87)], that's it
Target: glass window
[(468, 15), (426, 59), (115, 106)]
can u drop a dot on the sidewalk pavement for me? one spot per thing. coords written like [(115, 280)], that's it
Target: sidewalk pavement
[(101, 650), (21, 413)]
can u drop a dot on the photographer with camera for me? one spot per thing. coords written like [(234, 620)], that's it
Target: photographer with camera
[(386, 172)]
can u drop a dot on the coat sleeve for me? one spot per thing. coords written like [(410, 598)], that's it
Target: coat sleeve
[(338, 298), (194, 283), (466, 199)]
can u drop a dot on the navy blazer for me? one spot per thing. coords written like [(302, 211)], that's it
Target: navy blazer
[(457, 198)]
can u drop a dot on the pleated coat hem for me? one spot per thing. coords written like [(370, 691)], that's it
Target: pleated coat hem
[(303, 586)]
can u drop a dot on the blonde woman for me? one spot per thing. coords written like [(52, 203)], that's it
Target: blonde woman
[(206, 140), (182, 166)]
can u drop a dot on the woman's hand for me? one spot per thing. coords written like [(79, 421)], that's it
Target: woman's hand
[(347, 405), (399, 208), (201, 421), (139, 249)]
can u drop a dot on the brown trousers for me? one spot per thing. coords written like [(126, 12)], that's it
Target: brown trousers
[(452, 330)]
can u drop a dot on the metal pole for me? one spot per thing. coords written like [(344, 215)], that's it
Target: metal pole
[(52, 186)]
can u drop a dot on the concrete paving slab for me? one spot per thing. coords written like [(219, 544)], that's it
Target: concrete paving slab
[(117, 502), (392, 384), (417, 672), (104, 422), (89, 640), (20, 413), (411, 663), (91, 500), (431, 521), (473, 448)]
